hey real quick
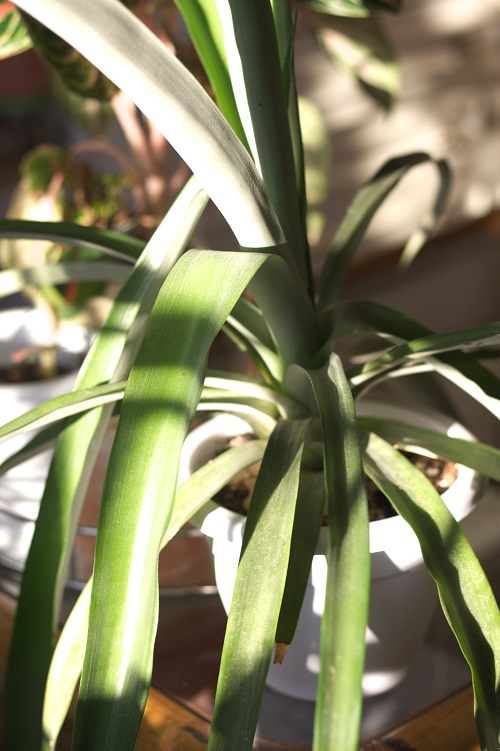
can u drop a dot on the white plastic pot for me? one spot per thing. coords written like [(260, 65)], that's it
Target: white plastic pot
[(21, 488), (403, 596)]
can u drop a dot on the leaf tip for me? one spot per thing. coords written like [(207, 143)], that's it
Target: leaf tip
[(280, 651)]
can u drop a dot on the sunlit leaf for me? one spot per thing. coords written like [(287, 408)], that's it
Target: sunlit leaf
[(465, 593), (192, 499)]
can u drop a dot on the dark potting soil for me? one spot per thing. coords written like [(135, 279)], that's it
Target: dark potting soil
[(440, 472), (35, 364)]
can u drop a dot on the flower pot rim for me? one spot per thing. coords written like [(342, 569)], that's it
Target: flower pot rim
[(392, 536)]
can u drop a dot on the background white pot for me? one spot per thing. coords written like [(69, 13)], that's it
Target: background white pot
[(21, 488), (403, 596)]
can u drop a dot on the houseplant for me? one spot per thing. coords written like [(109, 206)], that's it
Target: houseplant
[(289, 329)]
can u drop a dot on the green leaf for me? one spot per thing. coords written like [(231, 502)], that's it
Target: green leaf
[(464, 591), (438, 352), (261, 97), (253, 412), (13, 35), (110, 357), (61, 407), (342, 647), (15, 280), (460, 368), (247, 328), (192, 496), (245, 386), (105, 32), (105, 241), (43, 440), (354, 317), (203, 23), (434, 344), (309, 513), (360, 213), (478, 382), (285, 24), (250, 317), (481, 457), (254, 611), (65, 668), (160, 399)]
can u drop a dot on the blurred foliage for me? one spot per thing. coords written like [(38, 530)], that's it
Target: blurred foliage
[(353, 8), (361, 49), (13, 35), (57, 185)]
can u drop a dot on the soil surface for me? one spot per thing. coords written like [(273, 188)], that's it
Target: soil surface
[(37, 364), (440, 472)]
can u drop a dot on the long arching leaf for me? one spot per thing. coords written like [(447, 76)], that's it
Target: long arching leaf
[(161, 397), (360, 213), (481, 457), (110, 357), (105, 241), (194, 494), (15, 280), (261, 96), (464, 591)]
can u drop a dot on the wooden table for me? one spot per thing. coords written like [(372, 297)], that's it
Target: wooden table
[(171, 725)]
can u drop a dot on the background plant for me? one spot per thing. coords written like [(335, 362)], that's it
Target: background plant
[(248, 157)]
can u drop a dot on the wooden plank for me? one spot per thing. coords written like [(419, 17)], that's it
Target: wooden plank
[(445, 726)]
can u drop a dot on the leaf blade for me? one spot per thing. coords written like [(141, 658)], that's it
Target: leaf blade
[(162, 394), (465, 593), (254, 609), (342, 647)]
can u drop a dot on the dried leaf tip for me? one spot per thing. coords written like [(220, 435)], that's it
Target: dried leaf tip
[(281, 648)]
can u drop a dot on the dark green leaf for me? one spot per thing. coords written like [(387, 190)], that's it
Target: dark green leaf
[(309, 514), (203, 23), (342, 648), (360, 213), (465, 594), (257, 593)]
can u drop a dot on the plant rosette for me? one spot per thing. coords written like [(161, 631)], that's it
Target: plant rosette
[(403, 596), (21, 487)]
